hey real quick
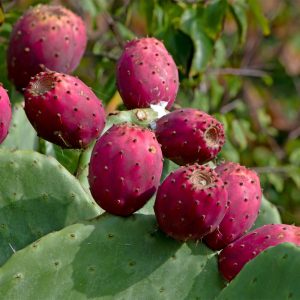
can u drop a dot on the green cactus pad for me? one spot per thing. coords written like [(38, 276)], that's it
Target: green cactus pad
[(268, 214), (22, 135), (273, 274), (111, 258), (37, 196)]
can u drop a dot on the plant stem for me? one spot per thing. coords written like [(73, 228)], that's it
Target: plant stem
[(83, 159)]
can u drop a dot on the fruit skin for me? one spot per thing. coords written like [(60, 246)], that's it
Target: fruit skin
[(5, 114), (46, 36), (233, 258), (189, 135), (63, 110), (125, 168), (146, 74), (244, 194), (190, 203)]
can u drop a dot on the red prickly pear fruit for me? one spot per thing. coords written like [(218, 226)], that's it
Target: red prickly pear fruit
[(190, 203), (146, 74), (233, 258), (5, 114), (188, 136), (63, 110), (244, 197), (45, 37), (125, 168)]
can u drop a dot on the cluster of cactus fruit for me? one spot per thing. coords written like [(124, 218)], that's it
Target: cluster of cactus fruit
[(195, 202)]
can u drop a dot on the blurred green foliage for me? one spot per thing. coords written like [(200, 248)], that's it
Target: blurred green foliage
[(237, 59)]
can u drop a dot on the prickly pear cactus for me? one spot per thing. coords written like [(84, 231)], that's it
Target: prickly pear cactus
[(111, 258), (37, 196), (22, 135)]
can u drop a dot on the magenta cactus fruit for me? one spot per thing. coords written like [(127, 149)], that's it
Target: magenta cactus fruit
[(63, 110), (190, 203), (5, 113), (146, 74), (188, 136), (125, 168), (244, 195), (233, 258), (46, 36)]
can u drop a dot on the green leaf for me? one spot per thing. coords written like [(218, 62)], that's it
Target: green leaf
[(238, 135), (259, 16), (203, 44), (277, 181), (37, 196), (272, 274), (111, 258), (239, 12), (213, 17), (180, 45)]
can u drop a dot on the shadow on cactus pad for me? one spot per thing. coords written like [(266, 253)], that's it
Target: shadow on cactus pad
[(37, 196), (111, 257)]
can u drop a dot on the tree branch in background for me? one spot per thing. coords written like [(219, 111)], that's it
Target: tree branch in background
[(238, 72), (114, 29)]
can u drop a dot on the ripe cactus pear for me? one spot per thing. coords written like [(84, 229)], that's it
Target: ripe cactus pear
[(190, 203), (63, 110), (5, 114), (233, 258), (125, 168), (46, 36), (188, 136), (146, 74), (244, 195)]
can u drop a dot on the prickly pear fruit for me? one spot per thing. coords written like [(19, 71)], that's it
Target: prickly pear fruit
[(48, 36), (244, 195), (233, 258), (125, 168), (188, 136), (190, 203), (63, 110), (146, 74), (5, 114)]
